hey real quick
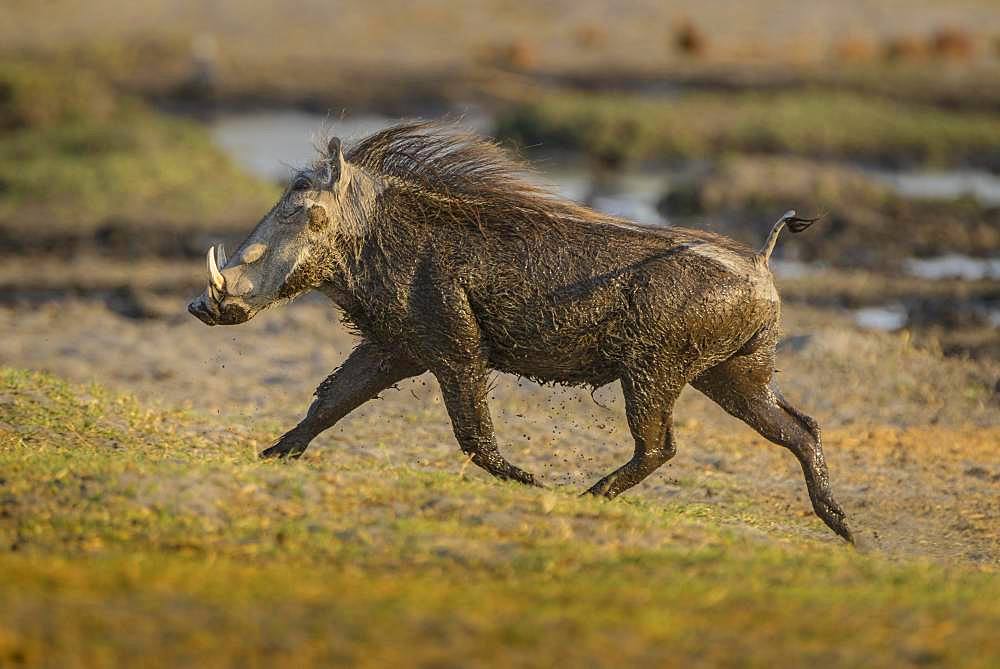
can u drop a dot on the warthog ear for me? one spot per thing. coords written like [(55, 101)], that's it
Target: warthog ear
[(333, 148), (335, 154)]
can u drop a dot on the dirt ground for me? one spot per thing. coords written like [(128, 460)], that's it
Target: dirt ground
[(912, 438)]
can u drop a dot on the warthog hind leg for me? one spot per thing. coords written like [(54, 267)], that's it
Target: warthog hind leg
[(763, 408), (367, 371)]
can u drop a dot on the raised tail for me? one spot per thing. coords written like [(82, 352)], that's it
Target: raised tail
[(795, 224)]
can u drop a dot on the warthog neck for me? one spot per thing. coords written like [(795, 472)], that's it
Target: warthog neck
[(338, 294)]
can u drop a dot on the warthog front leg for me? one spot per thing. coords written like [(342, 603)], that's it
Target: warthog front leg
[(649, 408), (367, 371), (464, 393), (454, 349)]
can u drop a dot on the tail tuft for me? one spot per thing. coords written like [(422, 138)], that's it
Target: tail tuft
[(795, 223)]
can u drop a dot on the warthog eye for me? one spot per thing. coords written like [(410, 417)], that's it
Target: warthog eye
[(289, 214), (301, 183)]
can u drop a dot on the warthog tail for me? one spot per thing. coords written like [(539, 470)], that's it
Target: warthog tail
[(795, 224)]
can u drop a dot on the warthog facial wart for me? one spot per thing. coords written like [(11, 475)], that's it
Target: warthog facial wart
[(446, 259)]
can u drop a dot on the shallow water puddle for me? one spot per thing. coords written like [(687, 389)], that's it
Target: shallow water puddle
[(886, 319), (953, 266), (944, 184), (271, 143)]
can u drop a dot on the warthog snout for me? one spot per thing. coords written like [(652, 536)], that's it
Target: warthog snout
[(209, 314), (199, 308), (221, 303)]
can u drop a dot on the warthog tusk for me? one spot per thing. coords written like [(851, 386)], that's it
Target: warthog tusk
[(220, 255), (215, 278)]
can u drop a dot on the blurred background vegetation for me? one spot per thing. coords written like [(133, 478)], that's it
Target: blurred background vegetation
[(133, 135)]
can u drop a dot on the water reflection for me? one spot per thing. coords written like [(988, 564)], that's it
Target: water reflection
[(953, 266), (270, 143), (944, 185), (887, 319)]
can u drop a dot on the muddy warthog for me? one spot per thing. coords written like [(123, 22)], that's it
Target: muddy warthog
[(444, 258)]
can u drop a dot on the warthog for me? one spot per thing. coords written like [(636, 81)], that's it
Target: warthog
[(445, 258)]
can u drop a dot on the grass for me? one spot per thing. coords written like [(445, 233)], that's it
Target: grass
[(131, 534), (803, 122), (75, 157)]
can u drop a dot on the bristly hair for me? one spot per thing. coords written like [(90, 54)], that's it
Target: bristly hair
[(452, 175), (443, 158), (434, 173)]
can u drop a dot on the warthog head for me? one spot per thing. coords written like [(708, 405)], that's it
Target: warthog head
[(288, 252)]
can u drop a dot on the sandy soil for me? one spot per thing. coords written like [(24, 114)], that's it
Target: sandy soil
[(912, 439)]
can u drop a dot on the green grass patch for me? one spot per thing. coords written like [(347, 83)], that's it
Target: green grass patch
[(76, 156), (136, 535), (803, 122)]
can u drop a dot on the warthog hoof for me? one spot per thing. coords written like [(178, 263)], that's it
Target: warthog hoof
[(835, 519), (284, 448)]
